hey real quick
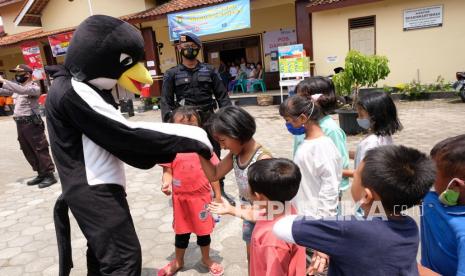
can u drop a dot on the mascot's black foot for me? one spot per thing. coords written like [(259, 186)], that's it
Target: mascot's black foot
[(35, 180), (47, 181)]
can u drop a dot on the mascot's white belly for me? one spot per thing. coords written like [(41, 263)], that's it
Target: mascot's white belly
[(102, 167)]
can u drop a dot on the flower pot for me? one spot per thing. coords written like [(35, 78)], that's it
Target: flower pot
[(348, 121)]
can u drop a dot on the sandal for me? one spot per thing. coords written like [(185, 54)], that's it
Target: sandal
[(164, 271), (215, 269)]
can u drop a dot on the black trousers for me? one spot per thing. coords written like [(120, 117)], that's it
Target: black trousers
[(102, 213), (34, 145)]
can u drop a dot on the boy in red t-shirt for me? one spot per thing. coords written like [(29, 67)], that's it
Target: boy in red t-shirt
[(273, 183)]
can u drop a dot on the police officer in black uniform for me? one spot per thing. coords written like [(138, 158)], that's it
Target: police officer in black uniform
[(193, 83)]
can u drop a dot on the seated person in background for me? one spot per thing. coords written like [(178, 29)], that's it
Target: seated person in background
[(233, 70), (243, 64), (224, 73), (389, 180), (257, 75), (443, 211), (252, 72), (232, 83), (248, 70)]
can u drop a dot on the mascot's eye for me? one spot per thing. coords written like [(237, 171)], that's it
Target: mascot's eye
[(125, 59)]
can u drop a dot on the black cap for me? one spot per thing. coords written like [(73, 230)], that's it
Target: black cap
[(21, 68), (188, 36)]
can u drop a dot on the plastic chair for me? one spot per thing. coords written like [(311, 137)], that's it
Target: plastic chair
[(242, 83), (260, 83)]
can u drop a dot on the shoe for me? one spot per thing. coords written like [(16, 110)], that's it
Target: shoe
[(47, 181), (229, 198), (35, 180)]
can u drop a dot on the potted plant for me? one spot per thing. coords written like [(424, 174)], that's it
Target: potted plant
[(359, 71)]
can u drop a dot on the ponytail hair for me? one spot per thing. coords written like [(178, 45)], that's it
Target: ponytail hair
[(321, 86), (298, 105)]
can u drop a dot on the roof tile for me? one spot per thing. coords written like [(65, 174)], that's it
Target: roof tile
[(172, 6), (10, 40)]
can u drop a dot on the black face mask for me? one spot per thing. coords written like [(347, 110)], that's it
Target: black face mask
[(21, 78), (190, 53)]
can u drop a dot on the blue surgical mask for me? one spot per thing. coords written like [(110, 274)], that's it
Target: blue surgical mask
[(294, 130), (364, 123)]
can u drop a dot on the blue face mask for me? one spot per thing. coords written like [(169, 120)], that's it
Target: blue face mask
[(364, 123), (294, 130)]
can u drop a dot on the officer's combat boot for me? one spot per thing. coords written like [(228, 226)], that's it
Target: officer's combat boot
[(48, 180), (35, 180)]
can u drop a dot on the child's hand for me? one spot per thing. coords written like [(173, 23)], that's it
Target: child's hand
[(218, 200), (318, 264), (222, 208), (166, 188)]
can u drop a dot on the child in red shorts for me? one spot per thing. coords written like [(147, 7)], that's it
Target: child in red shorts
[(191, 191)]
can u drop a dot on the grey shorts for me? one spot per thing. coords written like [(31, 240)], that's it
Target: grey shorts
[(247, 229)]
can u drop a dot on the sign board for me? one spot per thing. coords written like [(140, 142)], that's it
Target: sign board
[(423, 18), (293, 62), (31, 54), (60, 43), (294, 67), (332, 59), (274, 67), (220, 18), (273, 40)]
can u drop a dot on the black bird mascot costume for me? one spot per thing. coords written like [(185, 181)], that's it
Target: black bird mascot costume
[(91, 141)]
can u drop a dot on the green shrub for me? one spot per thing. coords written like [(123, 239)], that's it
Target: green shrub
[(360, 71)]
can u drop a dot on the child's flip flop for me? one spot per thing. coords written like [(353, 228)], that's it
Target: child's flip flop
[(215, 269), (164, 271)]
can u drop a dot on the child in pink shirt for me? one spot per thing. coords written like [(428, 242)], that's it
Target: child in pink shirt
[(273, 183), (191, 190)]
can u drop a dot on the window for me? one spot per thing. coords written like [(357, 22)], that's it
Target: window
[(362, 34)]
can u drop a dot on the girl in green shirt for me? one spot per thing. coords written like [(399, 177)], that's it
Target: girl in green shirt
[(321, 91)]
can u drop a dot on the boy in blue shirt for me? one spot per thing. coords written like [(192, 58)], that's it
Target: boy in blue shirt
[(443, 211), (390, 179)]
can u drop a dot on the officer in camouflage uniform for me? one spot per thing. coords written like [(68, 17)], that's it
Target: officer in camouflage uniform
[(194, 83)]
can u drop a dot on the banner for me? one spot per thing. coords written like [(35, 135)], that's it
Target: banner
[(221, 18), (60, 43), (31, 54), (275, 39)]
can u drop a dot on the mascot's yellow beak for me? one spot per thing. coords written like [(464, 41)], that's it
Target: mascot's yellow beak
[(134, 78)]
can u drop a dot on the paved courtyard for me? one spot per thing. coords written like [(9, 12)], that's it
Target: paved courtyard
[(27, 236)]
